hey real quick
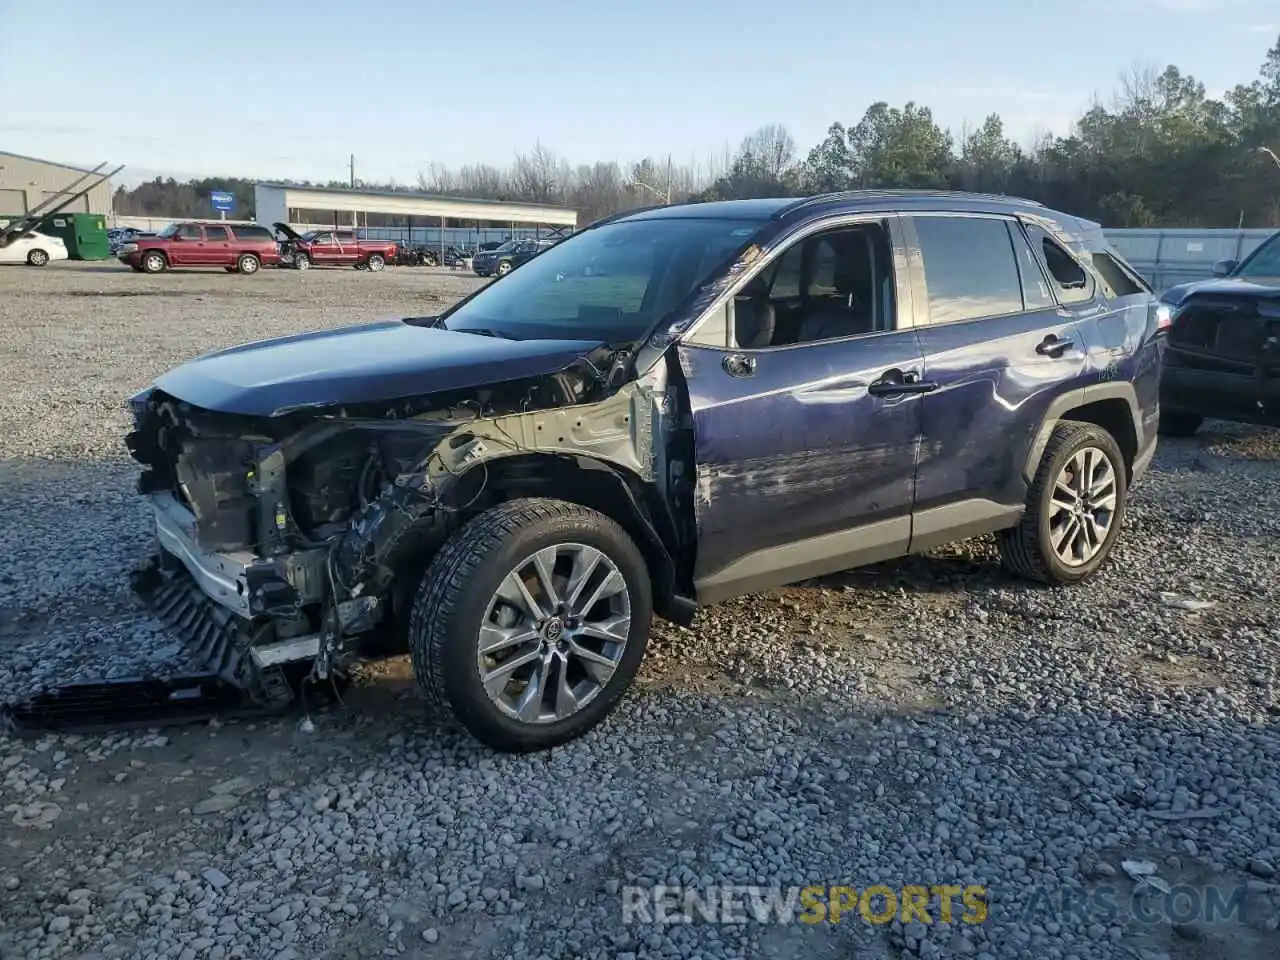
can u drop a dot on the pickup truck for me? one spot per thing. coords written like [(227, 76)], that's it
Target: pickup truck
[(332, 248)]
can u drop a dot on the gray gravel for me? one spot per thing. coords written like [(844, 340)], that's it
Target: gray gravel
[(928, 721)]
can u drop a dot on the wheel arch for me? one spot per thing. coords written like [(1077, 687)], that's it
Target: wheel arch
[(596, 484), (1111, 406)]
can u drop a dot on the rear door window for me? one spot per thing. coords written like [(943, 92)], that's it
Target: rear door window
[(969, 268), (215, 234)]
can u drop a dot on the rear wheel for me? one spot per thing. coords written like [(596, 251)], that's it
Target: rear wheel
[(248, 263), (153, 261), (1074, 509), (301, 261), (376, 262), (38, 258), (530, 623), (1174, 423)]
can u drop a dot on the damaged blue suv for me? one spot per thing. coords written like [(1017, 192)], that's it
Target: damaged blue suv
[(672, 407)]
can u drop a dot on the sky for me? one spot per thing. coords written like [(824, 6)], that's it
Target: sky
[(289, 90)]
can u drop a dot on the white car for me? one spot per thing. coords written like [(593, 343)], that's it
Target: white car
[(33, 248)]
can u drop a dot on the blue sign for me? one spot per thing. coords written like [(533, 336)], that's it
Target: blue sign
[(223, 201)]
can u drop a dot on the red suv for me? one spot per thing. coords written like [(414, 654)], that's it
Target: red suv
[(236, 247)]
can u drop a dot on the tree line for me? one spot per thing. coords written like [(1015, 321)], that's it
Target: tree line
[(1161, 153)]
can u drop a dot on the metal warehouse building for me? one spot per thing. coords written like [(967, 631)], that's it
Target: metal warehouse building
[(414, 218), (26, 182)]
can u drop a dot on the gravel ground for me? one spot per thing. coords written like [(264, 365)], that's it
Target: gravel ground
[(928, 721)]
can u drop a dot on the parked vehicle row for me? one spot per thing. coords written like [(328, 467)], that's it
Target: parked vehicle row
[(504, 258)]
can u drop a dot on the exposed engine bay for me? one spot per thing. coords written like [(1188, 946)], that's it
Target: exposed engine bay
[(311, 529)]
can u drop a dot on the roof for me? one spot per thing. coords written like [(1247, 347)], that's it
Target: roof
[(47, 163), (854, 201), (404, 195)]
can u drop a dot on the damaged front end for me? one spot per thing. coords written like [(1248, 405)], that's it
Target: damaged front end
[(290, 545), (1223, 357)]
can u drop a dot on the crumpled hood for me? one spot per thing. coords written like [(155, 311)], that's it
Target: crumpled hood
[(382, 361), (1264, 287)]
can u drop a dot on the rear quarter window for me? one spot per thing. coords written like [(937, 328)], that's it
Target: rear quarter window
[(252, 233), (1115, 278)]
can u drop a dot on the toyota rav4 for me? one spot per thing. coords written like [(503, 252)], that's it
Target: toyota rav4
[(672, 407)]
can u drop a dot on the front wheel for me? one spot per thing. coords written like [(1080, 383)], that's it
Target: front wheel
[(1074, 509), (504, 268), (38, 258), (376, 262), (154, 262), (531, 623), (301, 261)]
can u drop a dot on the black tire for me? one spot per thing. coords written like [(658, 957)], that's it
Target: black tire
[(248, 263), (1026, 549), (375, 262), (453, 598), (504, 268), (1175, 423), (38, 258), (153, 261)]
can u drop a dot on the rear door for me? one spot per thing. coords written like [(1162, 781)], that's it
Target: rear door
[(1001, 348), (805, 433), (217, 247), (346, 247)]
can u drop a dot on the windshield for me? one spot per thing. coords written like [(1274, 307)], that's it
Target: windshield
[(170, 230), (611, 283), (506, 247), (1263, 262)]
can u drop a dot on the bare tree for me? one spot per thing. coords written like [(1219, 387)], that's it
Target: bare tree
[(437, 178), (535, 175)]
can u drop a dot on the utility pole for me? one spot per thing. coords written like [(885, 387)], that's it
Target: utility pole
[(353, 171)]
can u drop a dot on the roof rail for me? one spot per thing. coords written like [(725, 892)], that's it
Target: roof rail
[(889, 193)]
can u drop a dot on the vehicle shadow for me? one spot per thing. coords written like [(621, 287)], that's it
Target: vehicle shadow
[(967, 565)]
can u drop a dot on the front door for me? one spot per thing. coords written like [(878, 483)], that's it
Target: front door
[(188, 245), (1001, 348), (806, 420)]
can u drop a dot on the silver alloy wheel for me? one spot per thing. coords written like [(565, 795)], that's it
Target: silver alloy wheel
[(37, 258), (301, 262), (376, 263), (248, 265), (154, 263), (1082, 506), (554, 633)]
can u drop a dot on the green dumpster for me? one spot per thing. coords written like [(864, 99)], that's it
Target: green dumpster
[(85, 234)]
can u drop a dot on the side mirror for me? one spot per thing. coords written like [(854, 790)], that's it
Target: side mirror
[(1223, 268)]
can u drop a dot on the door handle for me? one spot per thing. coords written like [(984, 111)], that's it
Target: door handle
[(738, 364), (1054, 346), (897, 382)]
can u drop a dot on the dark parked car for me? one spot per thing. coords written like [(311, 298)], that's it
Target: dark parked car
[(753, 393), (505, 258), (1223, 358), (236, 247)]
